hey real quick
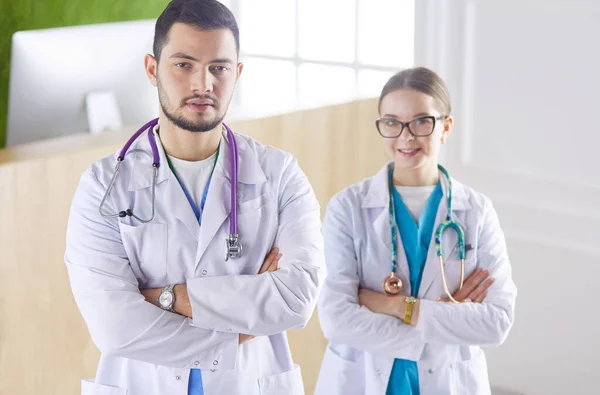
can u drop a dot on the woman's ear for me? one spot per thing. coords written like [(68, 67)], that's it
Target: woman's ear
[(448, 122)]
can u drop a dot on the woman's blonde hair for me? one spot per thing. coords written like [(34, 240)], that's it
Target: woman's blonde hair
[(423, 80)]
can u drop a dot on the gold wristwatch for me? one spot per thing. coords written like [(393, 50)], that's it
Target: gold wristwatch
[(410, 302)]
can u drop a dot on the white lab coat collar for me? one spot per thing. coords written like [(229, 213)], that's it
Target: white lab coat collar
[(249, 169), (377, 194)]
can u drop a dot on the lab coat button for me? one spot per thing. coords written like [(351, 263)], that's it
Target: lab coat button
[(215, 362), (204, 272), (177, 377), (197, 363), (430, 371)]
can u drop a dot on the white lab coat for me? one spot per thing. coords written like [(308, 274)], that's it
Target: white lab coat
[(148, 351), (446, 341)]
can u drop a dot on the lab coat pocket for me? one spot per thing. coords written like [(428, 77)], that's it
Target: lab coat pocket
[(288, 383), (439, 379), (89, 387), (453, 254), (452, 271), (340, 376), (253, 204), (146, 247), (471, 376)]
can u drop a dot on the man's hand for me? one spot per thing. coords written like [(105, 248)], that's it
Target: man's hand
[(474, 288), (271, 261), (245, 338), (151, 295)]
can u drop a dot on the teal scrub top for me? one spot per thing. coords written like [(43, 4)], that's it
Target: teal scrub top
[(404, 379)]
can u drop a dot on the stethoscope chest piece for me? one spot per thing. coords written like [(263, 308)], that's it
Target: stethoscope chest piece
[(234, 248), (392, 285)]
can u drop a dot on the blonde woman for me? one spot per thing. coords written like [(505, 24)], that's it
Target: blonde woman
[(397, 323)]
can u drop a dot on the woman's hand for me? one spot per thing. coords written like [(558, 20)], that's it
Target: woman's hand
[(474, 288), (378, 302), (387, 304)]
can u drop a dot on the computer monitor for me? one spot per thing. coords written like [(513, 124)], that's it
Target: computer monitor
[(56, 74)]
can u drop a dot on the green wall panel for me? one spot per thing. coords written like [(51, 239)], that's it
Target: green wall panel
[(16, 15)]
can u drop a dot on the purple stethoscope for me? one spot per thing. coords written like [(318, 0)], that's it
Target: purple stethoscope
[(234, 247)]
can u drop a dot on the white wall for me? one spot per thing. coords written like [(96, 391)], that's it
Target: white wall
[(524, 76)]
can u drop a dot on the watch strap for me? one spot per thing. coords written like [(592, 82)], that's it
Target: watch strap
[(410, 302)]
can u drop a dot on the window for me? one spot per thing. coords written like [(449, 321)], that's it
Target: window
[(305, 53)]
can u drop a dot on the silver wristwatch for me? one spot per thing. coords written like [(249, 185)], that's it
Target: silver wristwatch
[(166, 299)]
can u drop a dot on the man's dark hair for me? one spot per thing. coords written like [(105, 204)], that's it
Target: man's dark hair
[(201, 14)]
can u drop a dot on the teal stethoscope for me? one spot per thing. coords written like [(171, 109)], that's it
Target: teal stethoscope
[(393, 285)]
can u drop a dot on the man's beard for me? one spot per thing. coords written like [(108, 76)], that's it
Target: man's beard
[(185, 124)]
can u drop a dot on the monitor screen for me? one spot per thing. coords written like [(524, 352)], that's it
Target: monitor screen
[(55, 72)]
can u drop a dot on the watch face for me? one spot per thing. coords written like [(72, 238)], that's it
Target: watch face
[(165, 299), (411, 299)]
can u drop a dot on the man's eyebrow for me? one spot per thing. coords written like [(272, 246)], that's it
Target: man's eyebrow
[(181, 55), (222, 60)]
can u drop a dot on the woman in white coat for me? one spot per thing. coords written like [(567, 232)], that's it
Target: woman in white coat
[(396, 326)]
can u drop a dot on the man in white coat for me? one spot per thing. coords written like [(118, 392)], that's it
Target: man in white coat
[(168, 312)]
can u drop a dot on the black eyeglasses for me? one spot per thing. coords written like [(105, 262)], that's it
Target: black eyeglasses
[(391, 128)]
